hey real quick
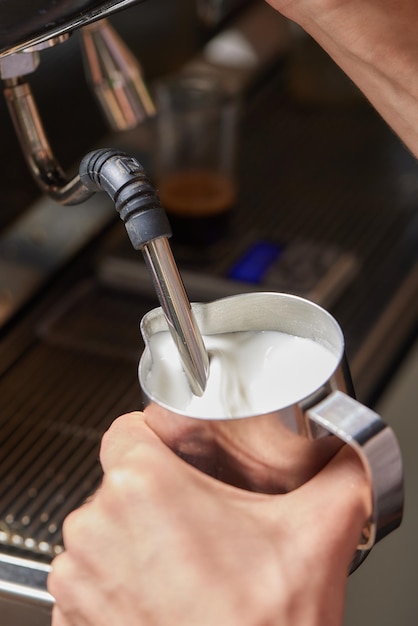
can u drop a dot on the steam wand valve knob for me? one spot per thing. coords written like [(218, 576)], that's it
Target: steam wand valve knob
[(148, 228)]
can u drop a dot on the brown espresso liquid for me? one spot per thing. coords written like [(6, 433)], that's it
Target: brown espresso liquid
[(199, 203)]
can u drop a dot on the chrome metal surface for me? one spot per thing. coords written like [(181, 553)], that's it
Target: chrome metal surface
[(377, 446), (36, 149), (24, 579), (40, 243), (178, 313), (36, 21), (24, 600), (48, 43), (115, 77), (16, 65)]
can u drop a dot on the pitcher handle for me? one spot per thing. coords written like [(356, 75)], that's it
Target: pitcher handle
[(377, 446)]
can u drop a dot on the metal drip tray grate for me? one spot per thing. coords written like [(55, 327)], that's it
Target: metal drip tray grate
[(51, 426)]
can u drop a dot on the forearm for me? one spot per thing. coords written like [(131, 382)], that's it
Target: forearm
[(375, 43)]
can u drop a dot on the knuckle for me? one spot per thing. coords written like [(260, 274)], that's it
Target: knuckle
[(78, 529), (61, 571), (132, 483)]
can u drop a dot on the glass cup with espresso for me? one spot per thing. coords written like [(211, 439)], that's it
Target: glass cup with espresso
[(196, 133)]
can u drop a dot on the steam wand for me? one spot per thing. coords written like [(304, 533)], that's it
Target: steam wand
[(138, 205)]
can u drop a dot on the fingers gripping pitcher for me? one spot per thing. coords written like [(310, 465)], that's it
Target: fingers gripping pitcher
[(278, 402)]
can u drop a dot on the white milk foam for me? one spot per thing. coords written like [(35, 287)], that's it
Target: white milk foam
[(250, 373)]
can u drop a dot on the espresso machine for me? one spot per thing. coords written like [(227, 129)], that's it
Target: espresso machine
[(37, 245), (72, 288)]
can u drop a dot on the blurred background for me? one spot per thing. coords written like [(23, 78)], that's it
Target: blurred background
[(325, 207)]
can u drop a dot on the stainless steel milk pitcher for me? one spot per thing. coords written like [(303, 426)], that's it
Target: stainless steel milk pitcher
[(277, 451)]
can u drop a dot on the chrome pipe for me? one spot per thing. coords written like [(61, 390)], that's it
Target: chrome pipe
[(36, 149), (178, 313), (115, 77)]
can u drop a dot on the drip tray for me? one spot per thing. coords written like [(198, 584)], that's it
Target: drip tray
[(78, 377)]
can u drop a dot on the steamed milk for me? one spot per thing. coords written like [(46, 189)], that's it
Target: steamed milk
[(250, 373)]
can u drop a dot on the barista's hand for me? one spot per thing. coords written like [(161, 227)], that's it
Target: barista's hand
[(375, 43), (163, 544)]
